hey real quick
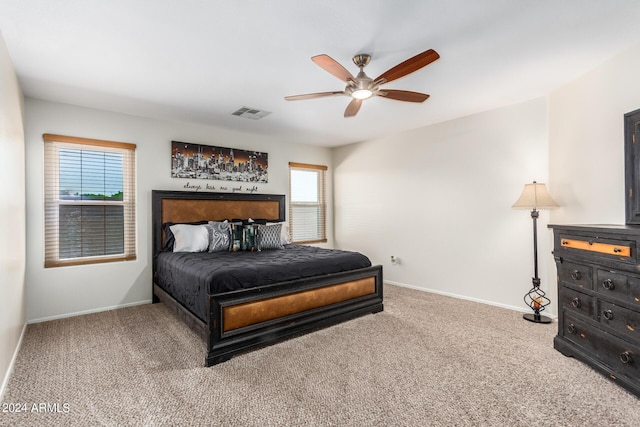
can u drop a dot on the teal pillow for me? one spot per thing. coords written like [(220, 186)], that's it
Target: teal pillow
[(243, 237), (249, 237), (235, 244)]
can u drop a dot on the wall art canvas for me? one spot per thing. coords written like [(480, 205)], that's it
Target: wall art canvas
[(197, 161)]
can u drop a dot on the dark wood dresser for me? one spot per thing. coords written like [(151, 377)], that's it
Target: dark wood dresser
[(599, 298)]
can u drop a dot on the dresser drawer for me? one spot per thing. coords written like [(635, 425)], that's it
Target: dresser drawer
[(576, 301), (612, 284), (606, 247), (621, 356), (578, 275), (623, 321)]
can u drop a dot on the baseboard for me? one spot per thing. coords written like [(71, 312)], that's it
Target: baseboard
[(5, 381), (95, 310), (464, 297)]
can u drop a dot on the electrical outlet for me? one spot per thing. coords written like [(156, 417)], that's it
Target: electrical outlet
[(394, 260)]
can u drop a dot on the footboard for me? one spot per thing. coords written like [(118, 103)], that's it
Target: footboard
[(242, 320)]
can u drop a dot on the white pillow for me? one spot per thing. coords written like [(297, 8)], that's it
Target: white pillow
[(285, 237), (190, 238)]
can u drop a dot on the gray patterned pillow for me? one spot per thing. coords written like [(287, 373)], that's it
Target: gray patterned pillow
[(219, 236), (269, 237)]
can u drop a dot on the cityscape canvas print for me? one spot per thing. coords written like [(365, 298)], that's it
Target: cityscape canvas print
[(197, 161)]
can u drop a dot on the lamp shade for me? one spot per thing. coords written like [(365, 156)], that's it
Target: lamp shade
[(535, 196)]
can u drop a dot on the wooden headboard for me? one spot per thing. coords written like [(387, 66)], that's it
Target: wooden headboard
[(189, 206)]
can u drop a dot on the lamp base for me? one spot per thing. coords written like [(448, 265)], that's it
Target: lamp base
[(536, 318)]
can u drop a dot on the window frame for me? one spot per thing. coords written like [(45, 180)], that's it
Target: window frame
[(321, 204), (52, 201)]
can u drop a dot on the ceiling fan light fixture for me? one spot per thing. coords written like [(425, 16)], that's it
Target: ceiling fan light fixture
[(362, 93), (363, 87)]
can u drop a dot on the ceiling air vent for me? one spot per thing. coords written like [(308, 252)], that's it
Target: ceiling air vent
[(250, 113)]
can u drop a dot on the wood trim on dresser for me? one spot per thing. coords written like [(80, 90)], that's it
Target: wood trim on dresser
[(605, 248)]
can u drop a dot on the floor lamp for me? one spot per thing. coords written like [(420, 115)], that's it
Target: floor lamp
[(535, 196)]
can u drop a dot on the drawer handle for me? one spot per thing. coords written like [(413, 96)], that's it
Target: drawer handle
[(571, 328), (617, 250), (576, 275), (608, 314), (625, 357), (576, 302), (608, 284)]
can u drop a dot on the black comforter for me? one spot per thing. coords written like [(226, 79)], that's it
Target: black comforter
[(190, 277)]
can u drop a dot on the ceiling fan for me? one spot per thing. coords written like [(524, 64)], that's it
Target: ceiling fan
[(363, 87)]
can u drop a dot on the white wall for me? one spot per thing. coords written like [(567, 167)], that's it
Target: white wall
[(12, 216), (63, 291), (587, 141), (439, 199), (420, 195)]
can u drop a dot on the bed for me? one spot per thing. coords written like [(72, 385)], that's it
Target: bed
[(239, 301)]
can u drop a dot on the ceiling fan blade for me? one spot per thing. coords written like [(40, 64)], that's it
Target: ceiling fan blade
[(403, 95), (353, 107), (409, 66), (312, 95), (332, 66)]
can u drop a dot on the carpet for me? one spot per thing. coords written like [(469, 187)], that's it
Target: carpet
[(427, 360)]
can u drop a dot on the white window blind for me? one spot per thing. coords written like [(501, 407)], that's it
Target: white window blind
[(89, 201), (307, 203)]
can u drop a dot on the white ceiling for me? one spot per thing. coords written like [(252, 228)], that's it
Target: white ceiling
[(199, 60)]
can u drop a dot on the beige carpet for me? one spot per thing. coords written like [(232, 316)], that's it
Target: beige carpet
[(425, 360)]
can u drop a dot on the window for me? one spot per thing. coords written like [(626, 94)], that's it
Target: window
[(307, 205), (89, 201)]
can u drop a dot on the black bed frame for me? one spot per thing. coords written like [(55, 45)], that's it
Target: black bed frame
[(223, 343)]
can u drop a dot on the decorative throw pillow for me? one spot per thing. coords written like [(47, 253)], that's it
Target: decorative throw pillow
[(219, 236), (190, 238), (243, 236), (249, 237), (285, 238), (235, 235), (269, 237)]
